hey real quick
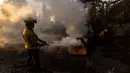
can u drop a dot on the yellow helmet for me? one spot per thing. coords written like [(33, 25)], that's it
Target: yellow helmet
[(30, 20)]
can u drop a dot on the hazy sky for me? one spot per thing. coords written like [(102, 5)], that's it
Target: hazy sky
[(1, 2)]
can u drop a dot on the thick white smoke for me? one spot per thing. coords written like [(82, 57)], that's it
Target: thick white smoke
[(69, 16)]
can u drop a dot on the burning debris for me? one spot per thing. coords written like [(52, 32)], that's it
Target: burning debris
[(78, 50), (74, 46)]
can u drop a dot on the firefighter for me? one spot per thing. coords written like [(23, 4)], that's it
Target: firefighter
[(32, 42), (106, 35)]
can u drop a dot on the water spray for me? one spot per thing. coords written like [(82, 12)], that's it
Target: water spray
[(55, 44)]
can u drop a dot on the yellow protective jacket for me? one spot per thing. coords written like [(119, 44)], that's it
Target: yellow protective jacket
[(31, 39)]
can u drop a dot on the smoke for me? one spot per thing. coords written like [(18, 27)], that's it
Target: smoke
[(11, 22), (68, 14), (56, 20), (68, 41), (72, 13)]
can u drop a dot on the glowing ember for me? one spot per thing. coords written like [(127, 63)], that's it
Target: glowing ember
[(79, 51)]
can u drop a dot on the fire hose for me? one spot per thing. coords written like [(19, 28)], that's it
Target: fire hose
[(39, 46)]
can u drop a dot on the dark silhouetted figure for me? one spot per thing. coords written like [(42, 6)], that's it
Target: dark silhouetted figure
[(32, 43)]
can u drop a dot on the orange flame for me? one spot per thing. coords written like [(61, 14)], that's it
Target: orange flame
[(81, 51), (101, 34)]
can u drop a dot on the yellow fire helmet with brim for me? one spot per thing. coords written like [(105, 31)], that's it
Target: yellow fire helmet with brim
[(30, 20)]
